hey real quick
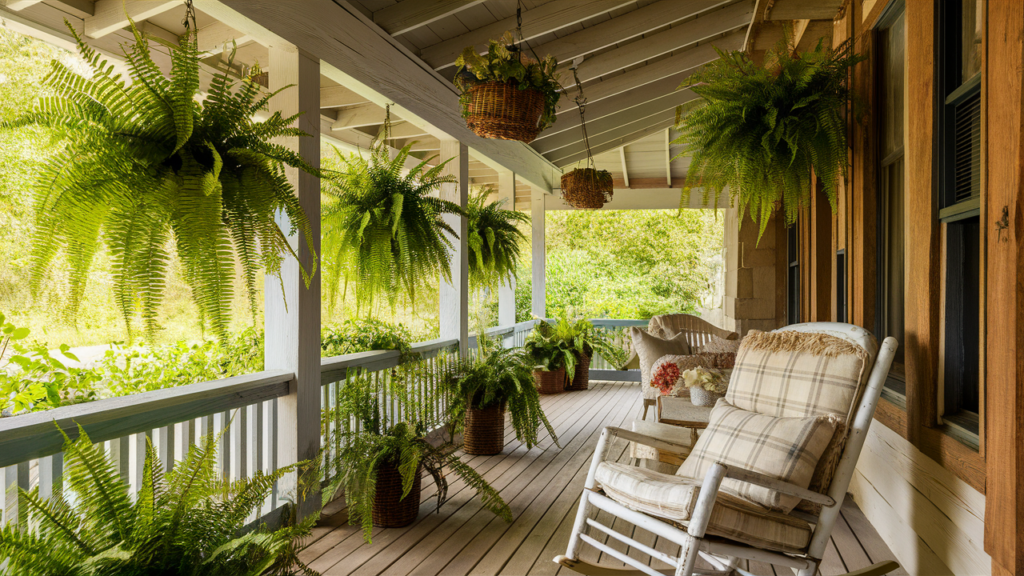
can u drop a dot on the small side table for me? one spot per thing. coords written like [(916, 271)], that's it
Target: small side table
[(679, 411)]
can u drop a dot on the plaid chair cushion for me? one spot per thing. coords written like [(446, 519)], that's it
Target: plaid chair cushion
[(674, 498), (783, 448)]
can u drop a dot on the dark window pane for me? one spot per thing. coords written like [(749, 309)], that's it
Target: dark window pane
[(963, 269)]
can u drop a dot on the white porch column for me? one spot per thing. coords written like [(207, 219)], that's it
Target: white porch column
[(507, 291), (539, 255), (453, 297), (292, 319)]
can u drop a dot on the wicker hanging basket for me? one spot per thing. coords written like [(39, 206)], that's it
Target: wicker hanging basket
[(581, 378), (390, 510), (485, 430), (502, 111), (587, 188), (550, 381)]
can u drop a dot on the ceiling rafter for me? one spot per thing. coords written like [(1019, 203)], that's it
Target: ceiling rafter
[(359, 116), (18, 5), (112, 15), (798, 9), (219, 37), (338, 96), (625, 169), (621, 136), (412, 14)]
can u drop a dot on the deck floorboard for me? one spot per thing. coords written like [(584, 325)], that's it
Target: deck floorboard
[(542, 485)]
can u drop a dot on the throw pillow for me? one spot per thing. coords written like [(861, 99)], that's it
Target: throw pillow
[(649, 348), (716, 345), (784, 448)]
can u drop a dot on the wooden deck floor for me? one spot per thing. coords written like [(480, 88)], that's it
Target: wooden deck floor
[(542, 486)]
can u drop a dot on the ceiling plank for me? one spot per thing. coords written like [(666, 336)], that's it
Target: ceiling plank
[(358, 117), (810, 34), (542, 20), (624, 135), (18, 5), (411, 14), (685, 34), (663, 68), (219, 37), (666, 103), (338, 96), (112, 15), (801, 9), (354, 53), (660, 198), (648, 183), (668, 158), (625, 27), (625, 170)]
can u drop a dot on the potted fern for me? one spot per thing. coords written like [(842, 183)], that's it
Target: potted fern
[(585, 341), (762, 130), (187, 521), (495, 240), (480, 391), (553, 358), (505, 95), (381, 460), (382, 231), (146, 164)]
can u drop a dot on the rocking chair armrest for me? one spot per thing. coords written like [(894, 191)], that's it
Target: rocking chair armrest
[(662, 445), (751, 477)]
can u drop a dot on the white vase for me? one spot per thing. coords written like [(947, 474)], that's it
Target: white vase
[(701, 397)]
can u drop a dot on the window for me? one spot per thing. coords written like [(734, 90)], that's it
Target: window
[(793, 275), (892, 214), (958, 179), (841, 286)]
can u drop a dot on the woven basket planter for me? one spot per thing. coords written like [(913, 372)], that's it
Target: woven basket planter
[(502, 111), (390, 510), (485, 430), (581, 379), (587, 188), (550, 381), (701, 397)]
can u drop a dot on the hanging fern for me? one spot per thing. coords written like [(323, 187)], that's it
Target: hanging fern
[(146, 163), (495, 240), (382, 231), (761, 130)]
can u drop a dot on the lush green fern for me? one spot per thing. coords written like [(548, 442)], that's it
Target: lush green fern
[(187, 522), (382, 231), (497, 376), (761, 130), (146, 162), (495, 240)]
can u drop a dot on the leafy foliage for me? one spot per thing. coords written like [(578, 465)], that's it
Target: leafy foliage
[(584, 339), (382, 231), (497, 376), (185, 522), (500, 64), (550, 351), (761, 130), (376, 442), (495, 240), (353, 336), (151, 164)]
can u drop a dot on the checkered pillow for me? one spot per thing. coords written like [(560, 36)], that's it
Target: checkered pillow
[(784, 448)]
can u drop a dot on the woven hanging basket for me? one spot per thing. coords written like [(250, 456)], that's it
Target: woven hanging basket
[(390, 510), (550, 381), (587, 188), (581, 378), (485, 430), (502, 111)]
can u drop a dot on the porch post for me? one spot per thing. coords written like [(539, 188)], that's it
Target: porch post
[(292, 318), (539, 256), (453, 297), (507, 291)]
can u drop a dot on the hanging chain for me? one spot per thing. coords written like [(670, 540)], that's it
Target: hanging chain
[(387, 123), (189, 21), (518, 40), (581, 103)]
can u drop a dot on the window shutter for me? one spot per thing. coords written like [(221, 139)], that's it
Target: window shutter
[(967, 148)]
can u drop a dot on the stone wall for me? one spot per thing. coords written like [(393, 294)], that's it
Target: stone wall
[(750, 275)]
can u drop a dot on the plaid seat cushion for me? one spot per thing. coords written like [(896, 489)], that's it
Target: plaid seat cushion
[(784, 448), (674, 498)]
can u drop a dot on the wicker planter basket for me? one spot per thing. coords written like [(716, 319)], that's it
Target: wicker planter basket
[(581, 379), (701, 397), (390, 510), (502, 111), (550, 381), (587, 188), (485, 430)]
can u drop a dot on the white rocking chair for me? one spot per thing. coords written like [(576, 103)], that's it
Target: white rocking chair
[(725, 554)]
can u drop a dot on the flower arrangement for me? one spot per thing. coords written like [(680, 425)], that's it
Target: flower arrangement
[(666, 377), (710, 379)]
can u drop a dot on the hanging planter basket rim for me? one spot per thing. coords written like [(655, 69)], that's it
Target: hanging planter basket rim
[(587, 188), (504, 111)]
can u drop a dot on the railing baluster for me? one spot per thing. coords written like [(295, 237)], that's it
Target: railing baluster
[(271, 429), (15, 477), (239, 444), (256, 434), (166, 447), (119, 451), (141, 441), (51, 475), (224, 456), (186, 437)]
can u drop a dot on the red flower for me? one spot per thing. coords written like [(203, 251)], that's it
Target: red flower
[(665, 377)]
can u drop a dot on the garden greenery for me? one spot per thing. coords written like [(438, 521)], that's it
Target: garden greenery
[(145, 162), (495, 240), (186, 522), (383, 231), (499, 64), (761, 130)]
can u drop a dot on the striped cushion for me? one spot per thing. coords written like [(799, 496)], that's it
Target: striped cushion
[(674, 498), (784, 448)]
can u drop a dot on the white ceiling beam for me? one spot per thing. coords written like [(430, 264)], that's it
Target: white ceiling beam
[(668, 159), (625, 170), (676, 38), (802, 9), (542, 20), (111, 15), (358, 117), (668, 102), (339, 96), (622, 136), (219, 37), (354, 53), (408, 130), (412, 14), (622, 28), (646, 199), (18, 5)]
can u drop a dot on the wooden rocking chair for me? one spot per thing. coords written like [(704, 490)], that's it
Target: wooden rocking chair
[(698, 534)]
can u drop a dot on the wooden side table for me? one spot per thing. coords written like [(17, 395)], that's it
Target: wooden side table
[(679, 411)]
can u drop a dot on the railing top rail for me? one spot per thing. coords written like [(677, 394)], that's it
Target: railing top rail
[(336, 368), (34, 435)]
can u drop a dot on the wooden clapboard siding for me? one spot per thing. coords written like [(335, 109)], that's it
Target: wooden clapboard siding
[(819, 294)]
